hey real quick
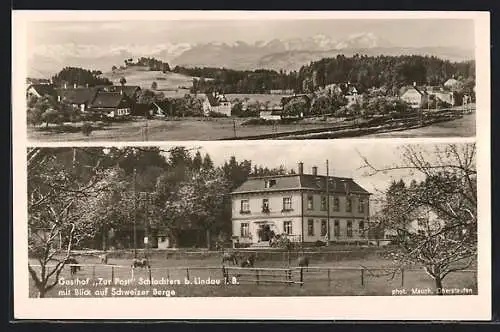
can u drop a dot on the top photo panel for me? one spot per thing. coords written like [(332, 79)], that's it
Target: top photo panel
[(204, 77)]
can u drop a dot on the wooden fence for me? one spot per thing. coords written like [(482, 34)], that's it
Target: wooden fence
[(253, 275)]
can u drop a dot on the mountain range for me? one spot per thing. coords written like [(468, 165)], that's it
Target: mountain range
[(286, 54)]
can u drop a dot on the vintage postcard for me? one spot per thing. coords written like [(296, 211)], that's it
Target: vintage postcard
[(254, 77), (187, 161)]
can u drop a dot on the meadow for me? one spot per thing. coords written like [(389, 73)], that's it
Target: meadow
[(343, 273)]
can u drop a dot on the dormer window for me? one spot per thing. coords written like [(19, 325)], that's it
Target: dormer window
[(269, 183)]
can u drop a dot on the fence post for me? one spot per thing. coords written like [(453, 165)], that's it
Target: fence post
[(402, 278), (112, 272), (257, 276), (93, 272), (363, 277), (150, 277), (132, 272), (168, 274), (224, 274), (187, 273), (329, 279), (301, 276)]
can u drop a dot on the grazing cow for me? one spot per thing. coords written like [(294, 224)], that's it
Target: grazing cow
[(142, 263), (303, 261), (249, 261), (103, 258), (230, 257), (72, 268)]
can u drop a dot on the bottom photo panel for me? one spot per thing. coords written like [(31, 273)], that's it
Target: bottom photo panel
[(252, 219)]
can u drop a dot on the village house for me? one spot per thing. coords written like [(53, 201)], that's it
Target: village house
[(111, 104), (131, 91), (300, 206), (414, 96), (79, 98), (40, 90), (215, 102)]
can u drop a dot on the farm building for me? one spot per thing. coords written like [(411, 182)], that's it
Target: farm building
[(131, 91), (111, 104), (77, 97), (41, 90), (215, 102), (414, 96), (300, 206)]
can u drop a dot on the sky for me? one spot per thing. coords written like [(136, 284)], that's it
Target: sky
[(414, 32), (345, 160)]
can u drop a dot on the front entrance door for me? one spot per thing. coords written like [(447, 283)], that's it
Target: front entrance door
[(264, 233)]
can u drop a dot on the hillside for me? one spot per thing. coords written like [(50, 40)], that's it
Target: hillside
[(167, 82)]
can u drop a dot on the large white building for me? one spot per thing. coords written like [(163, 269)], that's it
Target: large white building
[(298, 206)]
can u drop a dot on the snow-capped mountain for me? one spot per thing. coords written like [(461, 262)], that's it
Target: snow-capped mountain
[(288, 54)]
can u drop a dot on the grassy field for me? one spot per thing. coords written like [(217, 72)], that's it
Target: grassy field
[(345, 278), (172, 129), (169, 83)]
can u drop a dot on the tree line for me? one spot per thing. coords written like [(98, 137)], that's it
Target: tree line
[(388, 72)]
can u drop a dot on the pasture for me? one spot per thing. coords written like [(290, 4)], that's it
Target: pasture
[(170, 83), (345, 273), (173, 129)]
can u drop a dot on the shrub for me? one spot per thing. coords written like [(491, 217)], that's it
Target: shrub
[(319, 243), (217, 115), (87, 129)]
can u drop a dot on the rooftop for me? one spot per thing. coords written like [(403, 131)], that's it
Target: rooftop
[(300, 182)]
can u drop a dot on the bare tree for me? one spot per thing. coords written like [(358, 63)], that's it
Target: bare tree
[(433, 220), (54, 224)]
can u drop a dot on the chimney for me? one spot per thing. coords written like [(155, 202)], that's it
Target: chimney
[(301, 168), (315, 170)]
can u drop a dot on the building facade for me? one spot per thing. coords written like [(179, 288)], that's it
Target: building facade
[(306, 207), (414, 96)]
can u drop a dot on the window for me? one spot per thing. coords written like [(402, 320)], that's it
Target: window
[(361, 206), (336, 204), (310, 204), (244, 230), (349, 228), (265, 205), (336, 228), (348, 204), (269, 183), (310, 227), (323, 227), (287, 203), (361, 228), (287, 227), (323, 203), (245, 206)]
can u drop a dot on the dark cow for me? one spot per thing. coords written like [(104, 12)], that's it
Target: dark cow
[(249, 261), (72, 268), (142, 263), (103, 258), (230, 257), (303, 261)]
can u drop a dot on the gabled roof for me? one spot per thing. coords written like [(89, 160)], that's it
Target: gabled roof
[(107, 100), (404, 89), (301, 182), (215, 100), (129, 90), (44, 89), (77, 95), (286, 100)]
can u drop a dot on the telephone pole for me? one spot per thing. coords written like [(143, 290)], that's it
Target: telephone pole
[(327, 204)]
